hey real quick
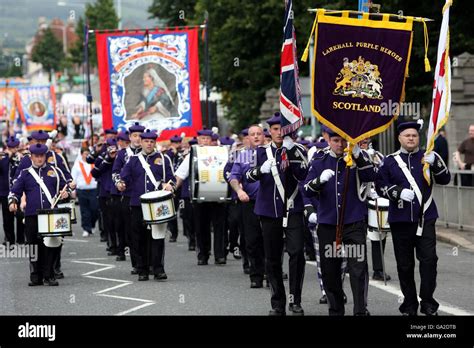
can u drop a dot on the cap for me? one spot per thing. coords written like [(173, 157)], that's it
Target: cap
[(193, 141), (205, 132), (407, 125), (215, 136), (136, 128), (40, 135), (275, 119), (227, 141), (267, 133), (112, 142), (303, 142), (13, 142), (124, 135), (148, 134), (38, 149), (321, 144), (111, 131), (176, 139)]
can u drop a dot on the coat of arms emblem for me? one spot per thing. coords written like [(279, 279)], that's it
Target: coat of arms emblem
[(162, 210), (359, 78), (61, 223)]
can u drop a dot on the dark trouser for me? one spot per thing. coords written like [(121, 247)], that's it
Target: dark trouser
[(111, 222), (89, 206), (273, 245), (42, 267), (354, 242), (205, 214), (377, 264), (233, 224), (173, 224), (125, 212), (308, 242), (9, 224), (188, 221), (119, 223), (143, 243), (253, 237), (103, 219), (405, 241)]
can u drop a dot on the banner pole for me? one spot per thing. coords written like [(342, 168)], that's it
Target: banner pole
[(89, 91), (415, 19), (206, 48)]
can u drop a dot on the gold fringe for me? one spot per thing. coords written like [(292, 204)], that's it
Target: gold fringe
[(427, 41), (304, 57)]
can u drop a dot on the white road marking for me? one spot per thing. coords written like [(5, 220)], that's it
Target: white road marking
[(395, 290), (136, 308), (76, 240), (123, 284)]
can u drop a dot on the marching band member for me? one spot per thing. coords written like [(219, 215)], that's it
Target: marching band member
[(187, 213), (412, 215), (123, 206), (40, 183), (247, 194), (9, 161), (145, 172), (205, 213), (325, 181), (279, 205)]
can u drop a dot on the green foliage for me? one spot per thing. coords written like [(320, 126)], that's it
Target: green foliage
[(49, 52), (172, 12)]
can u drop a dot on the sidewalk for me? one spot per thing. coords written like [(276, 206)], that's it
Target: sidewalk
[(455, 237)]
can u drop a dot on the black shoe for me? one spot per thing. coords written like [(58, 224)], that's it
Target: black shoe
[(246, 270), (256, 284), (51, 282), (296, 309), (143, 277), (410, 314), (237, 254), (192, 248), (161, 276), (378, 275), (284, 276), (35, 283), (202, 262), (310, 257), (59, 275), (134, 271), (112, 253), (220, 261), (173, 240), (323, 300), (103, 240), (120, 258), (267, 283), (278, 312), (429, 311), (363, 314)]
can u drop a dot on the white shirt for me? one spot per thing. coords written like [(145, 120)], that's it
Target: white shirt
[(183, 170), (78, 177)]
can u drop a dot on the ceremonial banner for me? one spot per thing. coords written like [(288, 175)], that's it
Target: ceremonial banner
[(441, 87), (37, 107), (151, 77), (359, 68), (290, 91), (8, 98)]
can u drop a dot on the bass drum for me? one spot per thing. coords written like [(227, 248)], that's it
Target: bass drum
[(207, 182), (378, 218)]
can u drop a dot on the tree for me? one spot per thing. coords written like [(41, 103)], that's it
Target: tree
[(48, 52), (172, 12), (100, 15)]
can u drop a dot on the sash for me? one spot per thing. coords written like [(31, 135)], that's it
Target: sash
[(129, 152), (148, 171), (42, 184), (87, 177)]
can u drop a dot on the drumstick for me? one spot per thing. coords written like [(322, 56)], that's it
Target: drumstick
[(59, 196)]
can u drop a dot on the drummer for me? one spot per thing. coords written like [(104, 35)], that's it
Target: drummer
[(135, 175), (30, 181), (325, 181)]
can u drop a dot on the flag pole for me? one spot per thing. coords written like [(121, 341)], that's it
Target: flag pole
[(89, 90), (206, 50)]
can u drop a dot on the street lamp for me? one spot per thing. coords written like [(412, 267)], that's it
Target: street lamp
[(63, 28)]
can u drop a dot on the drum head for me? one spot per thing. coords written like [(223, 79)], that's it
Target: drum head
[(162, 194), (52, 242)]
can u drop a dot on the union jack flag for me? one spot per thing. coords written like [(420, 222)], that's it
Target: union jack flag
[(290, 91)]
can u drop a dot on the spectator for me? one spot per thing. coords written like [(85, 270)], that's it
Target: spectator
[(441, 146), (78, 128), (467, 149), (62, 125), (86, 192)]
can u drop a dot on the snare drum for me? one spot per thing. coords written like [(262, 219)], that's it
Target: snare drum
[(382, 221), (54, 222), (71, 205), (158, 207), (207, 182)]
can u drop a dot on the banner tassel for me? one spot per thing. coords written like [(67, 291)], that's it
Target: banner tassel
[(304, 57), (427, 41)]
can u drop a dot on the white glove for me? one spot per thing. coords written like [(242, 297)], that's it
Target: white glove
[(407, 195), (267, 166), (356, 151), (326, 175), (429, 158), (288, 142), (49, 142), (371, 152), (313, 218), (53, 134)]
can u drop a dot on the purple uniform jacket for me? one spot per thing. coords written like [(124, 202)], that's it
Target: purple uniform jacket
[(242, 164), (52, 159), (227, 173), (35, 197), (8, 168), (329, 194), (268, 202), (102, 172), (135, 177), (391, 181), (120, 161)]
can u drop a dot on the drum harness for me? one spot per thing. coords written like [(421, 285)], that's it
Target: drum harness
[(43, 186), (148, 171), (281, 189), (419, 196)]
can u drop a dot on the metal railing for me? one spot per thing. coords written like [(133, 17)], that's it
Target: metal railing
[(455, 203)]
